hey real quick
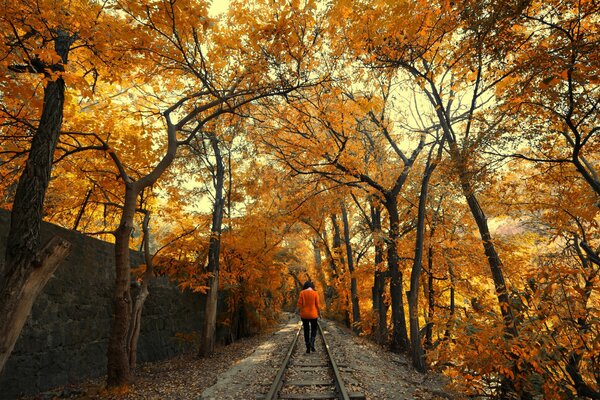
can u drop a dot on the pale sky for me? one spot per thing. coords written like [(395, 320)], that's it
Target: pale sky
[(219, 6)]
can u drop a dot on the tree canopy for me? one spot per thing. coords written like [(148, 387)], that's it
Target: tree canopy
[(430, 165)]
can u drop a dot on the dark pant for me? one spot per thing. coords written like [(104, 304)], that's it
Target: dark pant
[(309, 340)]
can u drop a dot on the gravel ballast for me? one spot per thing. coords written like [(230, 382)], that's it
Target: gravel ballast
[(369, 369)]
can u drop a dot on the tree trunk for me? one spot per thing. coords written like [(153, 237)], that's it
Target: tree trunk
[(380, 307), (318, 262), (82, 209), (330, 291), (464, 175), (399, 333), (353, 285), (208, 338), (332, 260), (118, 370), (416, 346), (339, 255), (209, 329), (27, 268), (337, 242), (21, 290), (494, 261), (140, 299), (489, 248), (430, 298), (319, 268), (450, 322)]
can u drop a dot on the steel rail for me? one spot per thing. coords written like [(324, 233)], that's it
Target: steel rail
[(278, 381), (272, 395), (336, 372)]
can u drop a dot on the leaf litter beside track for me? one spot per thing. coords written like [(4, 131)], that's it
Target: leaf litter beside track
[(179, 378), (244, 369)]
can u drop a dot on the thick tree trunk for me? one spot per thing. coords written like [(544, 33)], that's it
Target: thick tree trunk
[(27, 268), (209, 329), (26, 216), (399, 333), (353, 285), (208, 338), (21, 290), (118, 369)]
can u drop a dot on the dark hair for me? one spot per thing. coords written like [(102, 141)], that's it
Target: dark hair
[(308, 284)]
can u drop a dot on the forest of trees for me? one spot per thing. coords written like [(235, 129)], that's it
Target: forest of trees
[(431, 165)]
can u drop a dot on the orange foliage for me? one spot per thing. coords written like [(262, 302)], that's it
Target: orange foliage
[(529, 149)]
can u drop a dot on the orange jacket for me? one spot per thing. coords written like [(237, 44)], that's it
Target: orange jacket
[(308, 303)]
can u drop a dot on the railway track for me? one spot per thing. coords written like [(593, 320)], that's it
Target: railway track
[(305, 376)]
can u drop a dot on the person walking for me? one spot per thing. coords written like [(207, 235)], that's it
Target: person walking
[(308, 304)]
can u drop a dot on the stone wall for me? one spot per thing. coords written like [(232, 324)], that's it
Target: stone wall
[(65, 338)]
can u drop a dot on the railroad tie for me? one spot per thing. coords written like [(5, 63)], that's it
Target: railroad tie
[(315, 375)]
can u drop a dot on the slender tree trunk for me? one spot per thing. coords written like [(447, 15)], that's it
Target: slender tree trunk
[(330, 291), (353, 285), (82, 209), (332, 259), (318, 261), (489, 248), (337, 241), (450, 322), (400, 342), (118, 368), (339, 255), (208, 339), (27, 268), (584, 167), (430, 298), (140, 299), (464, 175), (494, 261), (380, 307), (319, 267), (416, 348)]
